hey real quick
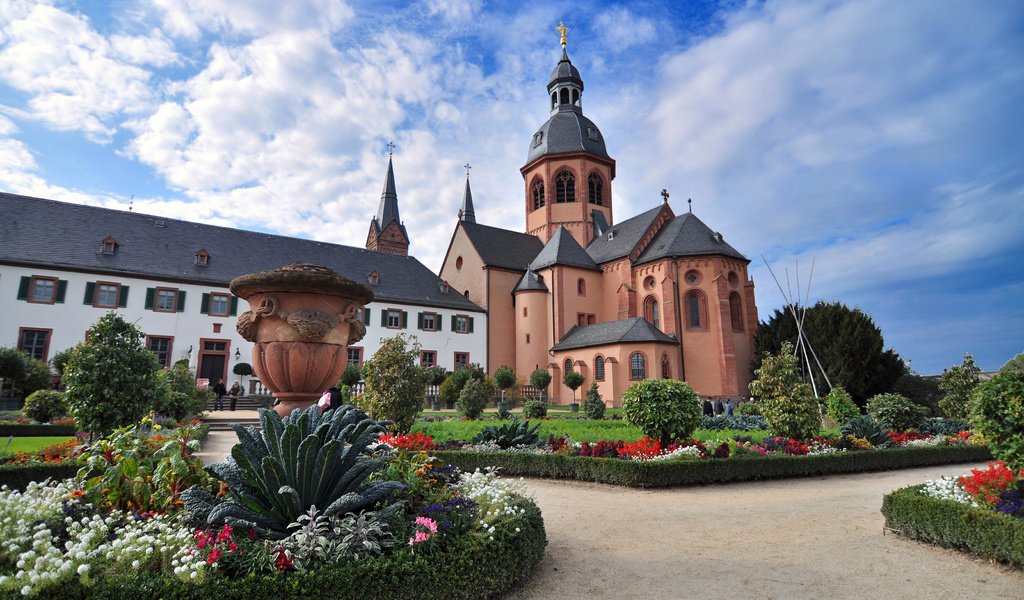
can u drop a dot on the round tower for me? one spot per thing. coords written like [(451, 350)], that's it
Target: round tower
[(532, 323)]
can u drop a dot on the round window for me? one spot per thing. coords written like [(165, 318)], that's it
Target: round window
[(692, 277), (458, 263), (734, 280), (649, 283)]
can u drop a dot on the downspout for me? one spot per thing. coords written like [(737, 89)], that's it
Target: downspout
[(679, 320), (487, 330)]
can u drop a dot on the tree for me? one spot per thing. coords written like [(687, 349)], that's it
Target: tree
[(111, 379), (60, 360), (504, 378), (846, 340), (897, 412), (540, 379), (573, 380), (475, 395), (242, 370), (664, 409), (1014, 364), (594, 405), (452, 386), (787, 403), (921, 390), (22, 372), (394, 383), (997, 413), (185, 399), (958, 382)]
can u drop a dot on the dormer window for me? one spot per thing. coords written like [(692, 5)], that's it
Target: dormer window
[(445, 288), (374, 278), (108, 245), (538, 138), (202, 258)]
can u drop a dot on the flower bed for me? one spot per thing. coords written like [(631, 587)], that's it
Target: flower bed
[(981, 513)]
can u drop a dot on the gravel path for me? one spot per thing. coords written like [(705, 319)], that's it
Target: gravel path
[(798, 538)]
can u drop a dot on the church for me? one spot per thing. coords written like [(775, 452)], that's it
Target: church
[(657, 295)]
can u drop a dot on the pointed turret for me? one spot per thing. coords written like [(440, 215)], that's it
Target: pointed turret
[(467, 213), (563, 249), (387, 233), (388, 209)]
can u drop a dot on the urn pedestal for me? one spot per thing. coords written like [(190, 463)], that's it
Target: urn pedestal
[(301, 319)]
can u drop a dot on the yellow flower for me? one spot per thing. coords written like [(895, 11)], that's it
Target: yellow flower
[(157, 428)]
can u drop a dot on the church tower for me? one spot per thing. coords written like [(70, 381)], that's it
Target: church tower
[(387, 233), (568, 173)]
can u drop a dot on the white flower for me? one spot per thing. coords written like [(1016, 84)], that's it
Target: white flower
[(83, 568)]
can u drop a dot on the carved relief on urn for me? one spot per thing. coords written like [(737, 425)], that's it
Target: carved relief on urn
[(301, 319)]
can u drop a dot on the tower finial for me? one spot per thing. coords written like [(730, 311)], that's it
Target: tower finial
[(562, 29), (467, 169), (664, 196), (690, 202), (391, 148)]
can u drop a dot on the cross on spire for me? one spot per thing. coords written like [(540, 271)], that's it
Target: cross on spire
[(467, 169), (391, 147), (664, 196)]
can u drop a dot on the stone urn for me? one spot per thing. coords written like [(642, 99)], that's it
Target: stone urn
[(301, 319)]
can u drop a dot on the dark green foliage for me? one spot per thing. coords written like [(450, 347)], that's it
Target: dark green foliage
[(475, 395), (351, 375), (504, 378), (535, 408), (111, 379), (788, 404), (19, 476), (594, 405), (749, 409), (950, 524), (278, 472), (60, 360), (540, 379), (436, 375), (740, 422), (26, 373), (866, 427), (997, 412), (453, 384), (394, 383), (573, 380), (846, 340), (45, 405), (957, 383), (941, 426), (678, 473), (186, 399), (243, 369), (895, 411), (663, 409), (1014, 364), (921, 390), (511, 434), (18, 430), (463, 568), (840, 407)]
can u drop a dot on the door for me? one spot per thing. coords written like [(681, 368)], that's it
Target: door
[(213, 360)]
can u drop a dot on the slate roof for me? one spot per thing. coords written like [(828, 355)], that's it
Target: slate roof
[(634, 330), (530, 281), (563, 249), (686, 235), (564, 70), (468, 214), (567, 131), (54, 234), (627, 235), (503, 248)]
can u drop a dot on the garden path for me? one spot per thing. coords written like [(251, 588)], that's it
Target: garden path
[(796, 538)]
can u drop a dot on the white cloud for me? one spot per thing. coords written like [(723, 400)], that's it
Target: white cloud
[(154, 49), (189, 18), (456, 11), (620, 29)]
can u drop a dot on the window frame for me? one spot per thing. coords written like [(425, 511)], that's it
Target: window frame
[(32, 289), (174, 304), (227, 305), (599, 367), (46, 345), (96, 294), (387, 318), (652, 311), (642, 366), (736, 312), (565, 187), (170, 348), (424, 354), (455, 361), (595, 189), (537, 193), (702, 310), (464, 320), (581, 287), (437, 321), (348, 358)]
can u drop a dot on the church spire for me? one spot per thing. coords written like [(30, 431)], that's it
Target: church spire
[(466, 213), (388, 209), (387, 233)]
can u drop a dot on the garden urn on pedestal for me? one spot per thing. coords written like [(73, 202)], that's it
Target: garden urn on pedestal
[(301, 319)]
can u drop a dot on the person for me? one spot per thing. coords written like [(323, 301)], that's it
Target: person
[(236, 391), (220, 391)]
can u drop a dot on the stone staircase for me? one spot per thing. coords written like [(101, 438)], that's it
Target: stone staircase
[(221, 420)]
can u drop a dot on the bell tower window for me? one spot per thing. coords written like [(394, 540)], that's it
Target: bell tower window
[(565, 187), (564, 96), (538, 193), (596, 189)]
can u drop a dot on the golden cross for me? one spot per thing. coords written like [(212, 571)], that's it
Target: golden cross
[(562, 29)]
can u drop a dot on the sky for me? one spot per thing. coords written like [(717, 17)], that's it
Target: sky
[(881, 141)]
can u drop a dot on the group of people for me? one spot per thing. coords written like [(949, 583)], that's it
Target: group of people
[(221, 390)]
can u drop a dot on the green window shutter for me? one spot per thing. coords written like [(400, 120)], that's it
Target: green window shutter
[(234, 306), (419, 320), (405, 319), (439, 323), (181, 301), (122, 296), (454, 319), (62, 288), (383, 317), (90, 291), (150, 296), (204, 305), (366, 316), (23, 288), (470, 319)]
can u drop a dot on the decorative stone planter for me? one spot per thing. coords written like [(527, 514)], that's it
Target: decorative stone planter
[(301, 319)]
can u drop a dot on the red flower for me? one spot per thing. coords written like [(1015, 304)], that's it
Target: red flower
[(283, 563), (214, 555)]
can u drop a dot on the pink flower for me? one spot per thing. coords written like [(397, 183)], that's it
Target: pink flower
[(425, 529)]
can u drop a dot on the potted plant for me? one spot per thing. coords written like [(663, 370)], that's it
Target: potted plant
[(573, 380), (504, 378)]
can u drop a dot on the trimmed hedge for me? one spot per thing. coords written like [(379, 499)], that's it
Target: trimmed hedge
[(17, 430), (467, 567), (699, 472), (19, 476), (954, 525)]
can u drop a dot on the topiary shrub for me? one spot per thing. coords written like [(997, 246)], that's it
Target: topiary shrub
[(504, 379), (453, 384), (350, 376), (45, 405), (535, 408), (896, 412), (594, 405), (839, 406), (475, 395), (394, 384), (540, 379), (788, 404), (997, 413), (573, 380), (664, 409)]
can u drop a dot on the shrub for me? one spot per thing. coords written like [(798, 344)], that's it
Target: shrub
[(45, 405), (1014, 364), (394, 384), (185, 398), (748, 409), (453, 384), (436, 375), (535, 408), (895, 411), (958, 382), (594, 405), (997, 413), (26, 373), (111, 378), (540, 379), (573, 380), (789, 406), (504, 378), (740, 422), (867, 428), (839, 406), (941, 426), (663, 409), (475, 395), (60, 360), (509, 435), (350, 376)]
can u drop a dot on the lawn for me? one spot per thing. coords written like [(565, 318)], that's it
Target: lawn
[(29, 444), (580, 430)]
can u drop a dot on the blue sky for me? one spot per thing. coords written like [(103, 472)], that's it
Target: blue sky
[(881, 140)]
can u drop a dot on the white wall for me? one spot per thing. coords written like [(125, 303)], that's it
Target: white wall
[(445, 342)]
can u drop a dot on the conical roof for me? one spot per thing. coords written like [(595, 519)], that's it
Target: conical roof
[(468, 214), (388, 209), (530, 281), (563, 249)]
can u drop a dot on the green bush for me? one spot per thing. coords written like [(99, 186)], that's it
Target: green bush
[(749, 409), (594, 405), (839, 406), (535, 408), (997, 413), (504, 378), (26, 373), (573, 380), (664, 409), (540, 379), (950, 524), (453, 383), (958, 383), (788, 404), (18, 476), (350, 376), (394, 384), (896, 412), (185, 399), (475, 395), (45, 405), (737, 422), (60, 360)]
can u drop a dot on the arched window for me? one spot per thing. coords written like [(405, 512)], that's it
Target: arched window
[(575, 97), (565, 187), (696, 314), (599, 368), (538, 193), (568, 365), (554, 99), (637, 366), (735, 312), (596, 187), (651, 311), (666, 371), (565, 95), (581, 287)]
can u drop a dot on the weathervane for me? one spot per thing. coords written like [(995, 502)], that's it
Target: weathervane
[(391, 148), (562, 29)]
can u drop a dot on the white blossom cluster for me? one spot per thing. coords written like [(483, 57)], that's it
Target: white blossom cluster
[(930, 441), (498, 499), (681, 452), (96, 545), (946, 488)]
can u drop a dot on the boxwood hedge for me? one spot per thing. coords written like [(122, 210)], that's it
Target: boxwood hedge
[(467, 567), (18, 476), (694, 472), (950, 524)]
